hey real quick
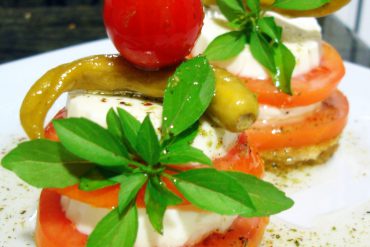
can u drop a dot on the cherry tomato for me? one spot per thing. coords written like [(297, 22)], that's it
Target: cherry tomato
[(53, 229), (156, 33)]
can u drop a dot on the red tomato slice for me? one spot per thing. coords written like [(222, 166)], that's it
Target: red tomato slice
[(53, 229), (309, 88), (50, 131), (324, 124), (243, 233)]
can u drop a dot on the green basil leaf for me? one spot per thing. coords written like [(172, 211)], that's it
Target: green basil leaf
[(299, 4), (226, 46), (214, 191), (183, 154), (157, 199), (147, 145), (266, 198), (268, 26), (262, 52), (130, 128), (254, 6), (184, 138), (116, 230), (120, 178), (188, 94), (129, 188), (114, 124), (90, 141), (231, 9), (285, 63), (96, 179), (45, 164)]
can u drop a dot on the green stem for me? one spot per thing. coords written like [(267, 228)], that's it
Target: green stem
[(137, 164), (173, 169), (166, 175)]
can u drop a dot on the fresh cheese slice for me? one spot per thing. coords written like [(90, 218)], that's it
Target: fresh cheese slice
[(214, 142), (270, 114), (301, 35), (180, 227)]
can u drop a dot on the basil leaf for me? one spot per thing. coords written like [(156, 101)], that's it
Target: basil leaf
[(188, 94), (96, 179), (183, 154), (119, 178), (214, 191), (45, 164), (147, 144), (90, 141), (116, 230), (184, 138), (299, 4), (226, 46), (130, 128), (268, 26), (262, 52), (285, 63), (129, 188), (114, 124), (231, 9), (254, 6), (266, 198), (157, 199)]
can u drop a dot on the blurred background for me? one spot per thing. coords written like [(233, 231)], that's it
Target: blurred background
[(29, 27)]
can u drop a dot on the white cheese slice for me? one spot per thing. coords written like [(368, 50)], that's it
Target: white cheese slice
[(214, 142), (301, 35), (180, 227), (270, 114)]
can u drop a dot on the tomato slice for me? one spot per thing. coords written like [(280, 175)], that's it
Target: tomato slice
[(244, 232), (53, 229), (324, 124), (50, 132), (309, 88)]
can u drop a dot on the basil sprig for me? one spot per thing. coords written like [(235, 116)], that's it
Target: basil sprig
[(262, 34), (129, 154)]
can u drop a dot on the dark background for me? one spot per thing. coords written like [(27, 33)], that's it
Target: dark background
[(28, 27)]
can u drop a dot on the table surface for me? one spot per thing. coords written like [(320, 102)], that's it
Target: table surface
[(29, 27)]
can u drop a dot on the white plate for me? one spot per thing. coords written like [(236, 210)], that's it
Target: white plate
[(332, 202)]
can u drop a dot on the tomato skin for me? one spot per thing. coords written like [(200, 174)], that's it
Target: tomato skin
[(53, 229), (322, 125), (50, 132), (153, 34), (309, 88), (244, 232)]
